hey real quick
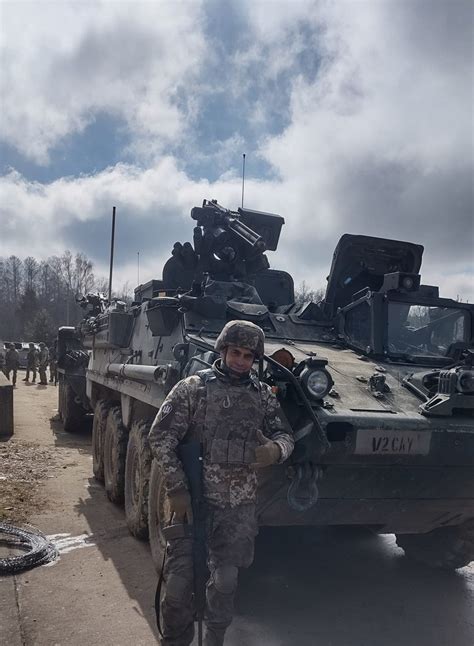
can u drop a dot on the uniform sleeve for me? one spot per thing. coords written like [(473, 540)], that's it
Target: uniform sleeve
[(169, 428), (276, 426)]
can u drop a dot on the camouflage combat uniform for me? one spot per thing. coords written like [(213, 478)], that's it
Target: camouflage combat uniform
[(53, 366), (43, 359), (12, 363), (224, 414), (31, 363)]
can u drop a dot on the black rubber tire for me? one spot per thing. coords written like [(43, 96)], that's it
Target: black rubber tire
[(115, 451), (137, 479), (156, 515), (101, 411), (60, 397), (449, 548), (72, 412)]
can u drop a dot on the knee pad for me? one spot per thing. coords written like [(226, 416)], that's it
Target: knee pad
[(225, 578), (178, 589)]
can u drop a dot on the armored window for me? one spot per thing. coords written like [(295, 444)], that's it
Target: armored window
[(357, 325), (422, 330)]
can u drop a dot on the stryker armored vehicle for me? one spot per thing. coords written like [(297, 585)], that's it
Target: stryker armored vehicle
[(376, 382)]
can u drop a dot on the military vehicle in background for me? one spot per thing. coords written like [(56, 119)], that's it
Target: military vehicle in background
[(376, 381), (72, 360)]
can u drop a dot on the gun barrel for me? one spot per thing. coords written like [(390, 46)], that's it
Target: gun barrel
[(190, 455), (247, 234), (132, 371)]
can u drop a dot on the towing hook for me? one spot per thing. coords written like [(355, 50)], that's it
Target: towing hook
[(303, 492)]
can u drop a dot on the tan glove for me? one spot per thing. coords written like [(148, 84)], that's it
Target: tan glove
[(180, 507), (268, 453)]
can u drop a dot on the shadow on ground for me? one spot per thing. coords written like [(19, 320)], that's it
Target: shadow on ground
[(347, 587), (131, 557), (330, 587), (81, 440)]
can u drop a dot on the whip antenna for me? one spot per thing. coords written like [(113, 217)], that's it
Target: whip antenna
[(243, 178), (112, 254)]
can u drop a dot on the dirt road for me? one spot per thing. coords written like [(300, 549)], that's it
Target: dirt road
[(320, 588)]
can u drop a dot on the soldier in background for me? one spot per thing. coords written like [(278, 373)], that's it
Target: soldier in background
[(43, 359), (31, 362), (231, 413), (53, 365), (12, 363)]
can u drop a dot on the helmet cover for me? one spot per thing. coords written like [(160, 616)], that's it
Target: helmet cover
[(243, 334)]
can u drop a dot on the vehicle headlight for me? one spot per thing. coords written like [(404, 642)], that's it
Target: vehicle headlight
[(466, 381), (317, 382)]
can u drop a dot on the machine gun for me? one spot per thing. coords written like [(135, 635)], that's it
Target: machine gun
[(232, 244), (227, 245), (222, 227), (93, 304)]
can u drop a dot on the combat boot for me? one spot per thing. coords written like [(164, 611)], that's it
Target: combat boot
[(214, 636)]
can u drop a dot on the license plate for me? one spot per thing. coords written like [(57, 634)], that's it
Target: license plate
[(374, 442)]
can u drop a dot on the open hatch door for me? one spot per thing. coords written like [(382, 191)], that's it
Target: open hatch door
[(361, 261)]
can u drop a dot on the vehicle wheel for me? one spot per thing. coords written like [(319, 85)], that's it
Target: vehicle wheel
[(101, 411), (448, 547), (72, 412), (60, 398), (157, 513), (137, 479), (115, 450)]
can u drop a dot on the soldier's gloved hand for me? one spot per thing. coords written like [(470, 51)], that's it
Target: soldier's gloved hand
[(180, 506), (268, 453)]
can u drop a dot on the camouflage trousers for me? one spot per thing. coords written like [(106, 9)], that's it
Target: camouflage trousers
[(53, 372), (13, 372), (231, 535), (31, 369), (42, 374)]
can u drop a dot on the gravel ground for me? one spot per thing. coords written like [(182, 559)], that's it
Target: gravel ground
[(23, 465)]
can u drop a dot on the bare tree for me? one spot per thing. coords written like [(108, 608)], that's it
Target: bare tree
[(41, 295), (30, 270), (14, 270), (305, 294)]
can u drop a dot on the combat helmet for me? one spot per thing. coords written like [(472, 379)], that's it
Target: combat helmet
[(243, 334)]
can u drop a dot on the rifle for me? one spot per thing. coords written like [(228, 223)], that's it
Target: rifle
[(190, 455)]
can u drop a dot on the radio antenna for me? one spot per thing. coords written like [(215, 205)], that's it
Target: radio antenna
[(112, 254), (138, 267), (243, 178)]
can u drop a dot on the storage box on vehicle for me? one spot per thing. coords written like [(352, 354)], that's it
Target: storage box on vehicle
[(162, 314)]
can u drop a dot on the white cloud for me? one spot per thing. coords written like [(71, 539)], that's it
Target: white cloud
[(64, 62), (378, 141)]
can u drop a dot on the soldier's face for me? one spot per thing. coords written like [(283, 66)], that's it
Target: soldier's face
[(238, 359)]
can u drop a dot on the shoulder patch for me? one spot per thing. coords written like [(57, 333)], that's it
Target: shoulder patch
[(166, 409)]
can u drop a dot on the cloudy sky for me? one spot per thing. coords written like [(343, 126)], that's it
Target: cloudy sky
[(355, 116)]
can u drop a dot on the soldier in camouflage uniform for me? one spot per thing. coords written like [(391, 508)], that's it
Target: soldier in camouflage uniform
[(12, 363), (43, 360), (241, 427), (53, 365), (31, 362)]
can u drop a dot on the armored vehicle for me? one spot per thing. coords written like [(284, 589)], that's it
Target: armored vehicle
[(376, 381), (72, 360)]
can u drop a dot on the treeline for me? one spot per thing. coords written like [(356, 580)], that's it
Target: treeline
[(36, 297), (304, 294)]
